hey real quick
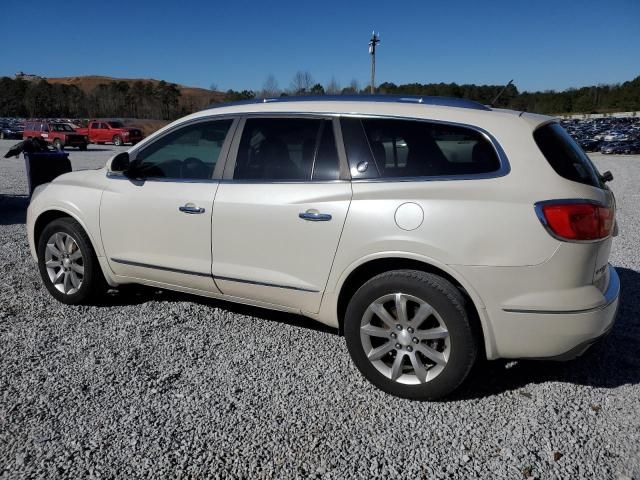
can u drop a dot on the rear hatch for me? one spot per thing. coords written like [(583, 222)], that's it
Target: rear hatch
[(570, 162)]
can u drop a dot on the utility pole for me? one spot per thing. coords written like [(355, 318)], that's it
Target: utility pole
[(375, 40)]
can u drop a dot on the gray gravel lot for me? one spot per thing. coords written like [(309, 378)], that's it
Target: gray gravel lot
[(154, 384)]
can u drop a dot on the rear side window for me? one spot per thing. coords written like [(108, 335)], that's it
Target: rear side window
[(287, 149), (565, 156), (408, 148)]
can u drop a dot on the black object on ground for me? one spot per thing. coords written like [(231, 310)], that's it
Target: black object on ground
[(42, 167)]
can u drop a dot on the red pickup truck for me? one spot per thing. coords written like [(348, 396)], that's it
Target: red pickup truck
[(103, 131), (58, 134)]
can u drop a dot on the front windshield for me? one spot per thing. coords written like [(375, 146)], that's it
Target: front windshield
[(116, 124), (61, 127)]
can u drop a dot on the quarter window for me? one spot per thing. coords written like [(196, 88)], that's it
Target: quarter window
[(408, 148), (287, 149), (190, 152)]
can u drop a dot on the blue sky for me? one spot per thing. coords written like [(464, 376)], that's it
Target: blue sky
[(541, 44)]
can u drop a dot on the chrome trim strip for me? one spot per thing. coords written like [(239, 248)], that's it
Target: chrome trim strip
[(215, 277), (610, 296), (158, 267), (264, 284), (540, 214)]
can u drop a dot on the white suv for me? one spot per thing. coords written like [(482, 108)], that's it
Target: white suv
[(430, 231)]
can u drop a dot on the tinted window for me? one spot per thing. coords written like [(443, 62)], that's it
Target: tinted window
[(45, 127), (116, 124), (361, 163), (565, 156), (406, 148), (95, 125), (190, 152), (277, 149), (326, 165)]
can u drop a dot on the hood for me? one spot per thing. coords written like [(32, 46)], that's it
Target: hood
[(83, 178)]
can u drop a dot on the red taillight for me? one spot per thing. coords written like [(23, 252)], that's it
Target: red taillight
[(577, 220)]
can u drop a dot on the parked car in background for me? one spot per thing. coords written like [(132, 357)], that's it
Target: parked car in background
[(399, 221), (631, 148), (615, 137), (111, 131), (10, 130), (60, 135), (590, 145)]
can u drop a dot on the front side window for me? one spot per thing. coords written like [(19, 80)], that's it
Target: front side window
[(190, 152), (291, 149), (116, 124), (408, 148)]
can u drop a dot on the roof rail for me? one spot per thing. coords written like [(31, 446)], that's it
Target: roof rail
[(423, 100)]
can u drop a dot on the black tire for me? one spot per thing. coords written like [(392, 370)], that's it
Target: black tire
[(58, 144), (93, 284), (450, 305), (82, 147), (117, 140)]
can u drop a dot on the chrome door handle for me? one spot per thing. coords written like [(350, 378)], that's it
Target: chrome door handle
[(314, 216), (190, 208)]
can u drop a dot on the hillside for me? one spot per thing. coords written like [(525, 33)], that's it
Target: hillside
[(193, 98)]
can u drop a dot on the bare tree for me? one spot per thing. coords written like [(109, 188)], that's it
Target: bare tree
[(301, 83), (270, 87), (333, 87), (352, 89), (213, 87)]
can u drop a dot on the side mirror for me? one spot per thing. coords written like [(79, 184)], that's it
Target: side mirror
[(120, 163), (607, 176)]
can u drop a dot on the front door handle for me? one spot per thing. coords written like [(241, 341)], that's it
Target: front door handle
[(314, 216), (191, 208)]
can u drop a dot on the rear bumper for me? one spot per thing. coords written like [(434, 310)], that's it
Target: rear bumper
[(558, 335)]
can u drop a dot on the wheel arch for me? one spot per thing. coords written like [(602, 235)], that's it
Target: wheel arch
[(49, 215), (362, 271)]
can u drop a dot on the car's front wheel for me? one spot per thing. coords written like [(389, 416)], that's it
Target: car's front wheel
[(117, 140), (68, 264), (409, 334)]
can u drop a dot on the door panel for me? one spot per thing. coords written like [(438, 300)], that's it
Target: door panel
[(263, 250), (158, 227), (145, 235), (276, 229)]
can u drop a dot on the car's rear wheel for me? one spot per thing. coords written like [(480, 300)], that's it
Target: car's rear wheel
[(117, 140), (409, 334), (58, 144), (68, 264)]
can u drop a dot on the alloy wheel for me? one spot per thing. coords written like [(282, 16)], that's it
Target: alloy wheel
[(405, 338), (64, 263)]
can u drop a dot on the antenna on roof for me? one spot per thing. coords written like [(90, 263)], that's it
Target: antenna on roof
[(493, 102)]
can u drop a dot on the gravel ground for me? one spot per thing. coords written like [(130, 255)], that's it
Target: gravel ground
[(157, 384)]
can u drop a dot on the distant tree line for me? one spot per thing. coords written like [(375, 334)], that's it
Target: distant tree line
[(594, 99), (22, 98), (162, 100)]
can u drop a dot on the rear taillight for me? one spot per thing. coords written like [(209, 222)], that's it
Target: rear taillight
[(576, 220)]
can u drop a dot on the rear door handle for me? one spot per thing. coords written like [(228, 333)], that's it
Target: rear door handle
[(191, 208), (314, 216)]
